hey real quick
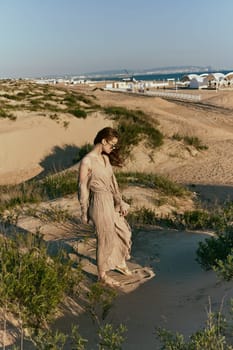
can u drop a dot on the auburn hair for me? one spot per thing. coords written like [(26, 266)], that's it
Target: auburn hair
[(108, 134)]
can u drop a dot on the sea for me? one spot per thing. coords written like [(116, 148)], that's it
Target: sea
[(154, 77)]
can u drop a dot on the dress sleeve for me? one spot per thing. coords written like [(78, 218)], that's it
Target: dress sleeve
[(83, 196), (119, 204)]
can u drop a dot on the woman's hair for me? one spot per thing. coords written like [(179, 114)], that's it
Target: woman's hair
[(108, 134)]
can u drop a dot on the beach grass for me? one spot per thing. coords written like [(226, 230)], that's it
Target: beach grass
[(33, 284), (4, 114), (46, 98), (213, 336), (51, 187), (154, 181), (132, 125), (66, 183), (191, 141), (143, 216)]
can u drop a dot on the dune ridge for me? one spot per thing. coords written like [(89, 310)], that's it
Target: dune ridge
[(167, 280)]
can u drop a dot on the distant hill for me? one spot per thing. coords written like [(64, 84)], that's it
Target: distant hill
[(158, 70), (147, 71)]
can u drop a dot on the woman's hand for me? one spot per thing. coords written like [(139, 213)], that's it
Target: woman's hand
[(124, 208), (123, 212)]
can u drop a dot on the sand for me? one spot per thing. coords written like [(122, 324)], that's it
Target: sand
[(32, 144), (168, 288)]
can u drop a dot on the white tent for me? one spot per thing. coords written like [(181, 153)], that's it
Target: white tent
[(229, 76), (217, 77), (198, 82), (188, 77)]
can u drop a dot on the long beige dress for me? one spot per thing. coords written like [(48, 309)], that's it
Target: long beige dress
[(105, 203)]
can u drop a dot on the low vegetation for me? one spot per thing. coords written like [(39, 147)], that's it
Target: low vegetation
[(143, 216), (161, 183), (215, 219), (133, 126), (33, 284), (51, 187), (77, 112), (42, 98), (65, 183), (191, 141), (212, 337), (217, 253), (4, 114)]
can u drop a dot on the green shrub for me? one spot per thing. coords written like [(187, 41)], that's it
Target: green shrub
[(85, 99), (132, 125), (217, 219), (150, 180), (190, 140), (195, 142), (51, 187), (215, 252), (32, 284), (224, 267), (143, 216), (177, 137), (111, 338), (211, 337), (36, 102), (59, 185), (50, 107), (70, 100), (100, 300), (78, 342), (9, 97), (77, 112), (13, 195), (21, 95), (49, 340), (4, 114), (54, 213), (196, 219)]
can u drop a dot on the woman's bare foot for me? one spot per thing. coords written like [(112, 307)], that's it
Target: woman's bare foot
[(124, 270)]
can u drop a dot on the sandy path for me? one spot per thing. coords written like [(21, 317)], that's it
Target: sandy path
[(177, 298)]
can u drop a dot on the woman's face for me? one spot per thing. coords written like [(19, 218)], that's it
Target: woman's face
[(109, 145)]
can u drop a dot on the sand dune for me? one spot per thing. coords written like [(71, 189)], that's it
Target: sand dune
[(166, 281), (32, 143), (27, 143)]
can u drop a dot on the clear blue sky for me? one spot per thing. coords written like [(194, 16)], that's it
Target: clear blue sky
[(39, 37)]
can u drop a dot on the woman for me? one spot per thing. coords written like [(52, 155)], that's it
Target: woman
[(101, 202)]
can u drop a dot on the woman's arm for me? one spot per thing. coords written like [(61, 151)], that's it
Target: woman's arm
[(83, 190)]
